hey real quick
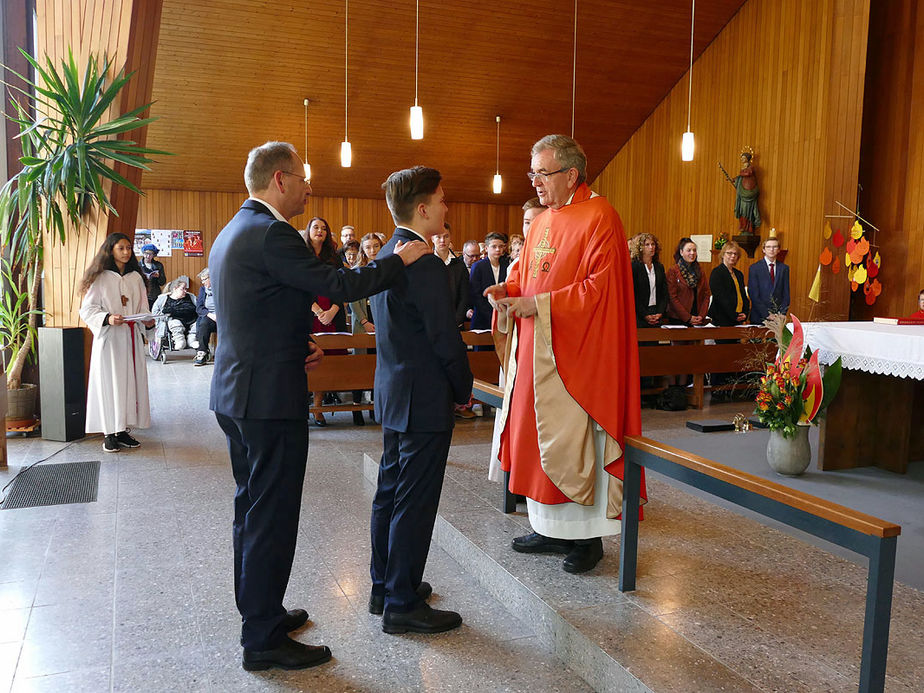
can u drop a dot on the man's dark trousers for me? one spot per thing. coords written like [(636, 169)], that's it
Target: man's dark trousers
[(269, 469), (404, 511)]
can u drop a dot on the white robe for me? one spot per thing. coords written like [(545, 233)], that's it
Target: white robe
[(117, 394)]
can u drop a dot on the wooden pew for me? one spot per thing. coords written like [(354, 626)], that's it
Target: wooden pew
[(869, 536), (345, 372), (698, 358)]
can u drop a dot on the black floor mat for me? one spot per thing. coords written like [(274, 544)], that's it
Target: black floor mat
[(54, 484)]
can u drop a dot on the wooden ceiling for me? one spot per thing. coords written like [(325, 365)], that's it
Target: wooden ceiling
[(231, 74)]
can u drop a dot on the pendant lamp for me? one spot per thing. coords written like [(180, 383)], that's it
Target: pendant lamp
[(346, 151), (498, 181), (417, 124), (687, 145), (307, 165)]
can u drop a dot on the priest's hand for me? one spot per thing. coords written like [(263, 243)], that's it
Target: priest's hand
[(495, 293), (148, 323), (519, 306), (411, 252), (116, 319), (315, 354)]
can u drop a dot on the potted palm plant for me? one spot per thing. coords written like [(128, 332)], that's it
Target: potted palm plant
[(70, 147)]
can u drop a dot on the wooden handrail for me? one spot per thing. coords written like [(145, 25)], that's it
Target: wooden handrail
[(860, 522)]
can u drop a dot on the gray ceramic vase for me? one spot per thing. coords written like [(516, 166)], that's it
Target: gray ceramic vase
[(789, 456)]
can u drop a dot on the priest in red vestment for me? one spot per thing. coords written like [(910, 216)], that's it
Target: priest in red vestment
[(572, 387)]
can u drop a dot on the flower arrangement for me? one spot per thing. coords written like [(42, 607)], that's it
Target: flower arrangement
[(720, 241), (793, 390)]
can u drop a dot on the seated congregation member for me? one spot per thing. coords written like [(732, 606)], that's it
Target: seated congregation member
[(153, 272), (730, 304), (649, 280), (207, 324), (487, 272), (768, 284), (458, 274), (422, 370), (329, 316), (180, 310), (687, 288)]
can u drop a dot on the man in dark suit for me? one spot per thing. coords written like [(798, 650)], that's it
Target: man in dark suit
[(768, 284), (263, 279), (488, 272), (422, 369)]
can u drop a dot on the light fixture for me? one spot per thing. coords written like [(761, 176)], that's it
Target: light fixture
[(346, 151), (416, 111), (687, 145), (498, 181), (574, 68), (307, 165)]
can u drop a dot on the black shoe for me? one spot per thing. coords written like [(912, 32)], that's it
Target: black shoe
[(584, 556), (539, 543), (320, 420), (290, 654), (126, 441), (201, 358), (111, 444), (295, 619), (358, 418), (377, 602), (423, 619), (372, 416)]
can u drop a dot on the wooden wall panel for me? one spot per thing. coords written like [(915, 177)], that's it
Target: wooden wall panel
[(126, 31), (892, 163), (210, 211), (786, 78)]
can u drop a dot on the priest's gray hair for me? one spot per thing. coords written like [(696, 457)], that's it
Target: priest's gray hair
[(568, 153), (265, 160)]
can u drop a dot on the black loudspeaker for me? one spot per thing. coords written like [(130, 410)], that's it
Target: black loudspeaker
[(62, 383)]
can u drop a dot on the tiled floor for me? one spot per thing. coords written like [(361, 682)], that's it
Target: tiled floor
[(134, 592)]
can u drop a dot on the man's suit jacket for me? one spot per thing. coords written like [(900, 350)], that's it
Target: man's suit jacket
[(422, 364), (767, 296), (725, 298), (481, 278), (264, 279), (642, 289), (459, 288)]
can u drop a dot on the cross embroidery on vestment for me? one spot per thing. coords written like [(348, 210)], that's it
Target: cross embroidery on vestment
[(540, 251)]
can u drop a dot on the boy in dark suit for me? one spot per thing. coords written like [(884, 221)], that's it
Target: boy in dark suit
[(768, 284), (422, 369), (264, 279)]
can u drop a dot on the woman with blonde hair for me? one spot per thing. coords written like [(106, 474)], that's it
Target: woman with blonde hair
[(649, 280)]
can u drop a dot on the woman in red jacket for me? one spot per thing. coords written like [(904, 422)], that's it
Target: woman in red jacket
[(687, 288)]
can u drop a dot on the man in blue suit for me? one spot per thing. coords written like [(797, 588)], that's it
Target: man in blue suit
[(264, 279), (768, 284), (488, 272), (422, 369)]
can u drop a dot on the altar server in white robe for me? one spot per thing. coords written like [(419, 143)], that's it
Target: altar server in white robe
[(117, 396)]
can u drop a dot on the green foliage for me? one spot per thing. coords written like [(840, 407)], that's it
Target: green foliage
[(16, 330), (69, 154)]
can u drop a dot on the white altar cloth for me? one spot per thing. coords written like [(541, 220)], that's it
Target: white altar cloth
[(867, 346)]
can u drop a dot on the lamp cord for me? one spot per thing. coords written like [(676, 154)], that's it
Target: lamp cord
[(346, 72), (574, 68), (690, 86)]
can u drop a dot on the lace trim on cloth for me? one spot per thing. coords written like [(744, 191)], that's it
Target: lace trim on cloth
[(871, 364)]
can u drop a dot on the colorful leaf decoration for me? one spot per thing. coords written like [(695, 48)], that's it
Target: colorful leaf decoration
[(794, 350), (827, 232), (825, 257), (851, 244), (872, 269), (877, 260), (876, 287), (856, 230), (832, 382), (870, 298), (813, 392), (854, 286), (835, 268), (860, 275), (862, 246), (846, 259), (837, 239)]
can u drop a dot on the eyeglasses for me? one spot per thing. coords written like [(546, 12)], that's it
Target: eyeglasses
[(297, 175), (543, 177)]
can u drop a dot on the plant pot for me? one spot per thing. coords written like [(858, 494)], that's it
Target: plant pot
[(20, 408), (789, 456)]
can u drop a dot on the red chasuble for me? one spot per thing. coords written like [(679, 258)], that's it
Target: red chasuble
[(578, 255)]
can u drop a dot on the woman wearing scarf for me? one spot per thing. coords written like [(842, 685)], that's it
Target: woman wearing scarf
[(687, 288)]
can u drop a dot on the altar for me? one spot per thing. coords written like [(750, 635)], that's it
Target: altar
[(877, 417)]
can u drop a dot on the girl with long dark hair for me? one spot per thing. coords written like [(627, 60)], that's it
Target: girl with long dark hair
[(117, 396)]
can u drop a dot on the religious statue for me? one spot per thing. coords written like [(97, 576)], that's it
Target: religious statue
[(746, 193)]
